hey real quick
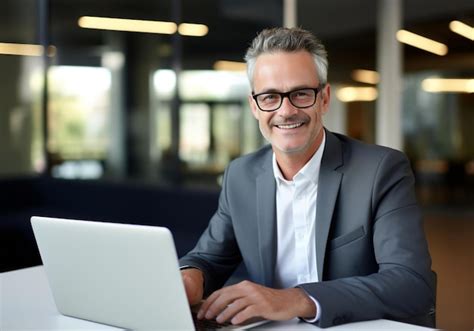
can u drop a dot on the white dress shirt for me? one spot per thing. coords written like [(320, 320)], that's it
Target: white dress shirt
[(296, 225)]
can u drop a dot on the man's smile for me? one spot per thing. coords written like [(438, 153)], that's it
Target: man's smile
[(289, 125)]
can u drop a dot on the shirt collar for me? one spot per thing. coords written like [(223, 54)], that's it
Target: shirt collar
[(310, 170)]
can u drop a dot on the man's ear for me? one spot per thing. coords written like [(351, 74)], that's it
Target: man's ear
[(325, 98), (253, 107)]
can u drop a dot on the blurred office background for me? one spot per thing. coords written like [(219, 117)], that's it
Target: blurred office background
[(83, 99)]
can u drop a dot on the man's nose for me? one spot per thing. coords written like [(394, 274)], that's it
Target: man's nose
[(287, 108)]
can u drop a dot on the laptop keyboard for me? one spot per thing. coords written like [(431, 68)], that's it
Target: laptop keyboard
[(205, 324)]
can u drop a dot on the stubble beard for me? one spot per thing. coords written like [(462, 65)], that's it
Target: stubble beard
[(300, 149)]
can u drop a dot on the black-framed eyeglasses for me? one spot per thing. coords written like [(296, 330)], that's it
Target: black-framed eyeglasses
[(300, 98)]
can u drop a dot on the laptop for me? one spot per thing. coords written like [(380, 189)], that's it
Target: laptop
[(117, 274)]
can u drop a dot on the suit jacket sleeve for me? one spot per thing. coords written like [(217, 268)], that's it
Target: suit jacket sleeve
[(216, 254), (403, 285)]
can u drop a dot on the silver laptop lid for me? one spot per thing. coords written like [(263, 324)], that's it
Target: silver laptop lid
[(117, 274)]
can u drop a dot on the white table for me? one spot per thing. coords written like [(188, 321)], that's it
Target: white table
[(27, 304)]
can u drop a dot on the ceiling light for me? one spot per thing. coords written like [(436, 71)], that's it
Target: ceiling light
[(21, 49), (462, 29), (350, 94), (190, 29), (365, 76), (26, 49), (230, 66), (423, 43), (456, 85), (122, 24)]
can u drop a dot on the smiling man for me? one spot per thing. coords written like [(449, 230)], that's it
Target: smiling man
[(292, 123), (328, 227)]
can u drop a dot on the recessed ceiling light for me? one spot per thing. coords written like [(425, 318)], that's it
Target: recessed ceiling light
[(191, 29), (351, 93), (456, 85), (230, 65), (421, 42), (122, 24), (26, 49), (365, 76), (462, 29)]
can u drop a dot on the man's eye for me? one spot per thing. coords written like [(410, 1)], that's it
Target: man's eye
[(268, 97), (301, 94)]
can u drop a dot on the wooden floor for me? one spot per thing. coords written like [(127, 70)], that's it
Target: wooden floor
[(451, 241)]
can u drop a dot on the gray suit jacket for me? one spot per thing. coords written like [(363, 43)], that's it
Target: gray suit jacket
[(372, 256)]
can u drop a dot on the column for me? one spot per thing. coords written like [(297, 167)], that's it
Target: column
[(290, 17), (336, 118), (389, 65), (114, 60)]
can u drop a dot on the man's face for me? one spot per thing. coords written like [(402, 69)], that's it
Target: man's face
[(289, 129)]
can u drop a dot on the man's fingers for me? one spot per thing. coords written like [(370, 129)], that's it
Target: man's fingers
[(231, 310), (203, 310), (246, 300), (226, 303), (218, 301), (214, 305), (245, 314)]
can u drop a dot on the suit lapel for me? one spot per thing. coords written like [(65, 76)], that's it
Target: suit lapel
[(328, 188), (266, 214)]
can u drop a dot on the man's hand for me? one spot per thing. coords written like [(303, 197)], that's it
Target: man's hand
[(193, 280), (246, 300)]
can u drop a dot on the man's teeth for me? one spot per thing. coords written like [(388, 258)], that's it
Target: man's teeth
[(289, 126)]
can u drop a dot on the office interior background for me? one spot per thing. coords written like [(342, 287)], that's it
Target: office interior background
[(96, 111)]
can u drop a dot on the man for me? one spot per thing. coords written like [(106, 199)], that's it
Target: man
[(327, 227)]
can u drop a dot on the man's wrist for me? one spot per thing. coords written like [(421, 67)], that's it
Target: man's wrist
[(307, 309), (318, 311), (312, 308), (194, 283), (194, 270)]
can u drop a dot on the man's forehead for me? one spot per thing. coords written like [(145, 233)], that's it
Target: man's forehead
[(284, 71)]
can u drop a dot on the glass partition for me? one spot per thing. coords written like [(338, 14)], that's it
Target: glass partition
[(21, 64)]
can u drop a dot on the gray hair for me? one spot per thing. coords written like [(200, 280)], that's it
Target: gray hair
[(287, 40)]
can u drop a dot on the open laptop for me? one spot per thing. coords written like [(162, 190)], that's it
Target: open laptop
[(117, 274)]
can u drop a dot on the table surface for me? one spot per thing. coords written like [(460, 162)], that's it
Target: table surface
[(27, 304)]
